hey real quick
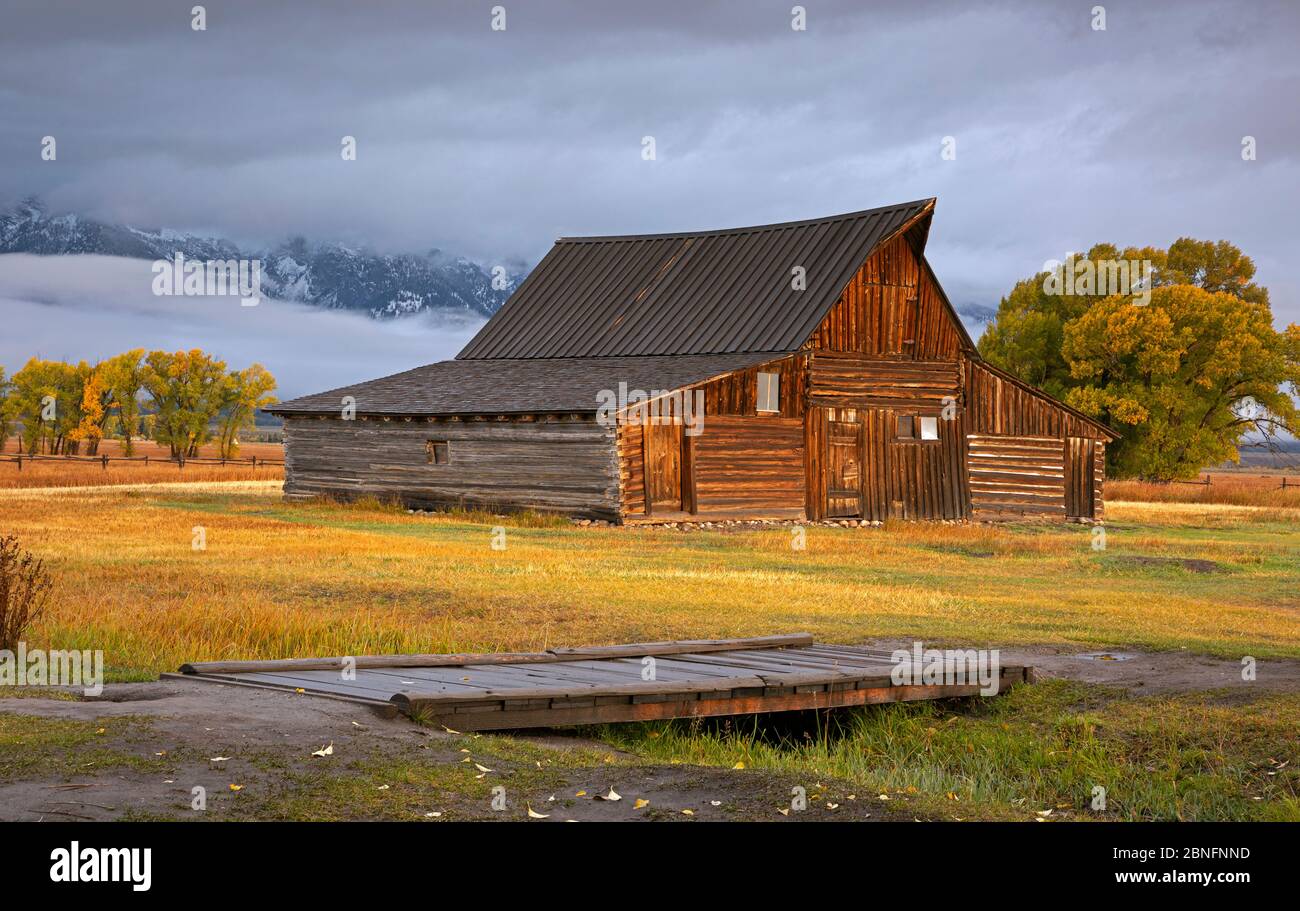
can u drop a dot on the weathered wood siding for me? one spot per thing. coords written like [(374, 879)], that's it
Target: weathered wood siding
[(737, 393), (849, 380), (708, 487), (909, 479), (891, 307), (1015, 476), (554, 465), (1001, 407), (1085, 475), (750, 466)]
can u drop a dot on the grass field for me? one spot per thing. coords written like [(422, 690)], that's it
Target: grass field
[(281, 579), (1235, 488)]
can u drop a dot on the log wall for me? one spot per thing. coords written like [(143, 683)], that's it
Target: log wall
[(840, 380), (552, 465), (1014, 477), (750, 466)]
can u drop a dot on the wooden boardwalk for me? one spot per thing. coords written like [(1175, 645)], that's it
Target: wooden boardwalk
[(566, 686)]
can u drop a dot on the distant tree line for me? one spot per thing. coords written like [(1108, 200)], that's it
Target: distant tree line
[(1184, 372), (182, 400)]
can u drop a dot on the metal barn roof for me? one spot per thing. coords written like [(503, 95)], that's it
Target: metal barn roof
[(708, 292)]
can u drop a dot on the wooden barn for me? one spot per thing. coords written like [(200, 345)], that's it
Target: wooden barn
[(806, 370)]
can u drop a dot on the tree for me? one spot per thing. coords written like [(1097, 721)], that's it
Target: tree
[(1212, 266), (1183, 378), (124, 375), (6, 410), (246, 391), (186, 389), (96, 411), (47, 400)]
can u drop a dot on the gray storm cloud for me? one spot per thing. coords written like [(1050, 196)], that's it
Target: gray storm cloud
[(491, 144)]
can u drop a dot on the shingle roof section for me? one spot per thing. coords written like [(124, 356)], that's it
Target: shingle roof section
[(517, 386), (711, 292)]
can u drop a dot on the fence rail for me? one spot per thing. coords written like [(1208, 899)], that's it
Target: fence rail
[(103, 460)]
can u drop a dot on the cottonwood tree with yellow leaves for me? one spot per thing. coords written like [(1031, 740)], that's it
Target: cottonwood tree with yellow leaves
[(1184, 378), (188, 396)]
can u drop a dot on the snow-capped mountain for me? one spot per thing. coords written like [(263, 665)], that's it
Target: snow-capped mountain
[(325, 275)]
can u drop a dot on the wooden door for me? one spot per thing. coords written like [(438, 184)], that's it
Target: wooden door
[(843, 468), (1080, 477), (663, 460)]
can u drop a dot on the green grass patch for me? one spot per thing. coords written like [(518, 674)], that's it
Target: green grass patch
[(1035, 752)]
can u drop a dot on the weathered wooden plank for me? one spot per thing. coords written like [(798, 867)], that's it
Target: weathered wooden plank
[(360, 662)]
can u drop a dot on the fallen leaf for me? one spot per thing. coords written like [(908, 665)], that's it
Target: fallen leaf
[(715, 803), (612, 795), (449, 730), (739, 765), (236, 787), (324, 751), (688, 812), (784, 811), (581, 794), (218, 759), (640, 802), (533, 814), (482, 768), (832, 806), (433, 815), (382, 787)]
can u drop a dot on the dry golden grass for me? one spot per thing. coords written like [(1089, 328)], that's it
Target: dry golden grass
[(1232, 488), (292, 579), (78, 472)]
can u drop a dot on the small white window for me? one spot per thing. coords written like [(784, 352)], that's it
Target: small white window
[(769, 392), (929, 428)]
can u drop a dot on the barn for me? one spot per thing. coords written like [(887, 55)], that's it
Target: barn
[(804, 370)]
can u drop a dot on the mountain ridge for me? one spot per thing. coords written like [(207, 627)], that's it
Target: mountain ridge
[(330, 275)]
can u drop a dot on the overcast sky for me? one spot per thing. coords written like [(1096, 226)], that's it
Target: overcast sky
[(492, 143)]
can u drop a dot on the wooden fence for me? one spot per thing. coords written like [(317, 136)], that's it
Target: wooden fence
[(103, 460)]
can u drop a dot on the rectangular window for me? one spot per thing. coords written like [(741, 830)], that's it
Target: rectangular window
[(769, 392), (929, 428), (437, 452), (906, 427)]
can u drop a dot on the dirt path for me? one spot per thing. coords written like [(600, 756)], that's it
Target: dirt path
[(154, 743), (1147, 673)]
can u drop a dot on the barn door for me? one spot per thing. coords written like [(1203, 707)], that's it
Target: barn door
[(1080, 479), (663, 460), (843, 466)]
